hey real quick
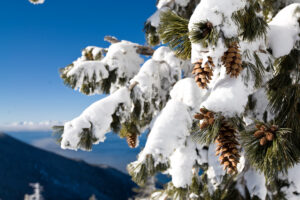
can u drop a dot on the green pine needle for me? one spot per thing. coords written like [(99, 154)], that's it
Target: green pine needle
[(140, 171), (57, 133), (87, 139), (284, 91), (204, 33), (209, 134), (90, 84), (248, 20), (257, 71), (276, 156), (173, 30), (152, 36)]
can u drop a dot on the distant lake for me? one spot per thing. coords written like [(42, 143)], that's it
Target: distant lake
[(113, 152)]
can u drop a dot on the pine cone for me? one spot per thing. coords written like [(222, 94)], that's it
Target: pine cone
[(227, 148), (232, 60), (207, 117), (203, 74), (131, 139), (265, 134)]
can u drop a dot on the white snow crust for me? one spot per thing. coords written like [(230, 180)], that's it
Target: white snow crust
[(97, 117), (284, 30), (37, 1), (121, 56)]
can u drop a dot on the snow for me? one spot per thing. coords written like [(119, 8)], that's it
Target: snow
[(37, 1), (261, 105), (229, 96), (97, 117), (163, 6), (187, 92), (284, 30), (168, 132), (38, 189), (293, 179), (147, 77), (215, 170), (182, 3), (121, 56), (181, 164), (158, 75), (193, 196), (219, 14), (92, 70), (164, 3), (155, 18), (96, 52), (255, 183)]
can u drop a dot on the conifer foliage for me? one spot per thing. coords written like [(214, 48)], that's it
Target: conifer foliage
[(238, 62)]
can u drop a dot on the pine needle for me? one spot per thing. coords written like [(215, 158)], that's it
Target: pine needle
[(276, 156), (173, 30)]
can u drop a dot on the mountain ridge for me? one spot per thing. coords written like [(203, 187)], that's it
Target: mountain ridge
[(62, 178)]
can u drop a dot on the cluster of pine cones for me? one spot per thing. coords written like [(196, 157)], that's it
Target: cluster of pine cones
[(265, 134), (203, 74), (207, 117), (231, 59), (227, 144)]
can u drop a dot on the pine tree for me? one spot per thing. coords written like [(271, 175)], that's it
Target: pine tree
[(37, 195), (238, 62)]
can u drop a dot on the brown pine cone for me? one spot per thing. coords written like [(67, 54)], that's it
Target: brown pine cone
[(269, 136), (259, 134), (265, 133), (232, 60), (207, 117), (227, 148), (263, 141), (203, 74), (131, 139)]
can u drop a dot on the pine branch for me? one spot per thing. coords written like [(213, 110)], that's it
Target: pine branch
[(57, 133), (173, 31), (209, 134), (86, 137), (140, 171), (272, 157), (257, 71), (248, 20), (143, 50), (284, 91), (111, 39), (152, 36), (204, 33)]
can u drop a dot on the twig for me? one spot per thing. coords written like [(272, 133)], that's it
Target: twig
[(132, 85), (143, 50), (111, 39)]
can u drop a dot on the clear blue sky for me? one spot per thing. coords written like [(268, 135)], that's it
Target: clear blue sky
[(37, 40)]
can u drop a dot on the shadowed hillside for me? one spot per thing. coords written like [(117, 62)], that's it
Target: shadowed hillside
[(61, 178)]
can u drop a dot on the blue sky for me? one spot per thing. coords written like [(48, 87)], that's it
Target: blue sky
[(37, 40)]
